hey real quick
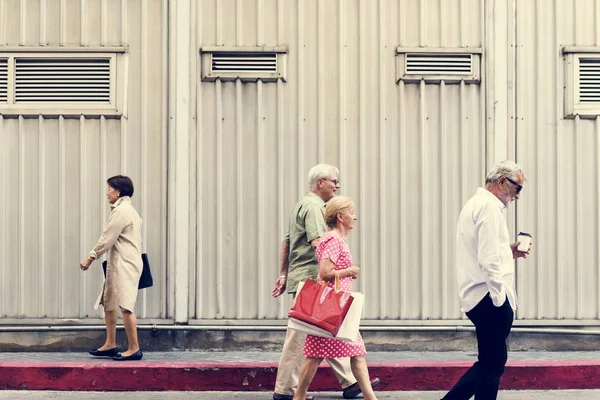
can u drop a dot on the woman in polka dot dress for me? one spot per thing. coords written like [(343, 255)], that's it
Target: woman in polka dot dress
[(334, 259)]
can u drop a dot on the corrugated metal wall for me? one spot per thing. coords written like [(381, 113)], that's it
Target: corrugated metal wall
[(53, 169), (561, 157), (409, 154)]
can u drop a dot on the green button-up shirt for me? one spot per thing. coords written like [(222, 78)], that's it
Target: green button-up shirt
[(306, 224)]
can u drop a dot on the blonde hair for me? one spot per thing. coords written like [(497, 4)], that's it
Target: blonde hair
[(335, 206)]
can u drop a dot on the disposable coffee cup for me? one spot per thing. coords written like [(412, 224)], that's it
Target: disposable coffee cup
[(524, 240)]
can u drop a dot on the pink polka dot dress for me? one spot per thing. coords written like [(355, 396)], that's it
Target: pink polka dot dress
[(333, 246)]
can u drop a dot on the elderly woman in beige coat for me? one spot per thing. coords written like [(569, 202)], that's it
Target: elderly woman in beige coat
[(122, 239)]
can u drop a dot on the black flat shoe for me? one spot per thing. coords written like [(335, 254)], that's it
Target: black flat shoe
[(134, 357), (104, 353), (277, 396), (353, 390)]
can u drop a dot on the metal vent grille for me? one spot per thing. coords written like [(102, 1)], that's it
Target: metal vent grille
[(68, 80), (3, 80), (244, 62), (589, 80), (439, 64)]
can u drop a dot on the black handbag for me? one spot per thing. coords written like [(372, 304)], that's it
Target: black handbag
[(146, 277)]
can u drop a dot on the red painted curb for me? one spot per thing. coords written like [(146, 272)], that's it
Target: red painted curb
[(260, 376)]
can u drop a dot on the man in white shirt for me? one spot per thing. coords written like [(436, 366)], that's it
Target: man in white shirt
[(486, 278)]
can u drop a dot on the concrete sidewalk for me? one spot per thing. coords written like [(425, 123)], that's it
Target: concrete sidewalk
[(503, 395), (255, 371)]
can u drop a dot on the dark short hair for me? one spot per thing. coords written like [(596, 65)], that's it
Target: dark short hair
[(121, 183)]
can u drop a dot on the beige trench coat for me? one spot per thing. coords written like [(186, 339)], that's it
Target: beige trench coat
[(122, 239)]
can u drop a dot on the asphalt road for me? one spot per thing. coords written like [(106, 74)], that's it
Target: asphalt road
[(506, 395)]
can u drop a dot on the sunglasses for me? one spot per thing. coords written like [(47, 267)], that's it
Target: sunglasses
[(519, 187), (334, 181)]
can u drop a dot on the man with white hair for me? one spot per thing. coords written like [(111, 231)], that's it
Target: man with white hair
[(486, 278), (298, 262)]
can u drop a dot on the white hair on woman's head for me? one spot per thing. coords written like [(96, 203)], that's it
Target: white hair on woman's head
[(503, 169), (321, 171)]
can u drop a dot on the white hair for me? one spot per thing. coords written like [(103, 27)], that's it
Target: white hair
[(321, 171), (503, 169)]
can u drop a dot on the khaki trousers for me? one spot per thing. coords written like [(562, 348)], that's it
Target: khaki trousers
[(288, 371)]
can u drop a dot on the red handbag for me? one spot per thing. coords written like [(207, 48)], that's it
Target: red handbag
[(321, 306)]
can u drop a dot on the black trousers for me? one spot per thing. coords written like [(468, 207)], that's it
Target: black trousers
[(492, 325)]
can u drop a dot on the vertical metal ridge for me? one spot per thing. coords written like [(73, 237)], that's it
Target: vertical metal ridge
[(219, 194), (461, 16), (402, 135), (260, 37), (182, 127), (489, 57), (193, 228), (144, 139), (219, 23), (425, 217), (383, 278), (219, 191), (261, 143), (104, 174), (2, 22), (280, 22), (103, 165), (164, 144), (483, 142), (442, 22), (557, 168), (483, 85), (513, 67), (422, 14), (445, 178), (320, 83), (83, 38), (579, 221), (43, 18), (402, 27), (199, 174), (124, 19), (576, 22), (597, 21), (280, 165), (362, 130), (239, 22), (22, 281), (103, 23), (124, 137), (61, 284), (541, 276), (62, 40), (42, 227), (260, 197), (597, 158), (170, 109), (280, 141), (464, 140), (341, 89), (404, 284), (300, 133), (22, 22), (3, 168), (239, 197), (82, 218)]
